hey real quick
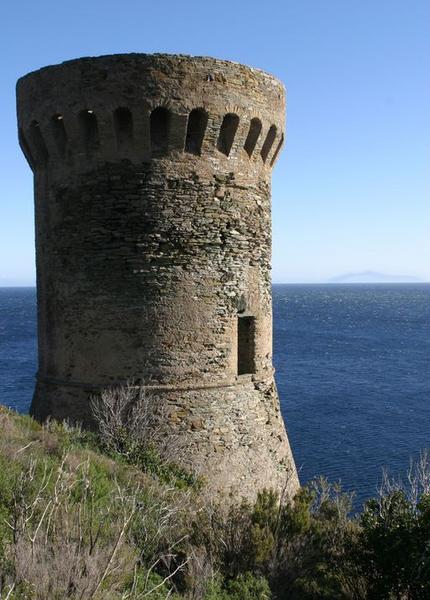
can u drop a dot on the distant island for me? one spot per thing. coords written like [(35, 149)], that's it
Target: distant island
[(373, 277)]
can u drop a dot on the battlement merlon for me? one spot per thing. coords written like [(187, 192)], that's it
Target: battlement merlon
[(82, 113)]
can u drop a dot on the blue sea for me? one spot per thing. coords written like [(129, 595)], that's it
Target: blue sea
[(352, 367)]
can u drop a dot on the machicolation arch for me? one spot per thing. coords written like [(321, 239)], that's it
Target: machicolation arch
[(254, 132), (196, 128), (227, 133), (268, 142)]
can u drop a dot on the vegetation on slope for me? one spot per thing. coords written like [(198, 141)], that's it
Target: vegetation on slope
[(85, 516)]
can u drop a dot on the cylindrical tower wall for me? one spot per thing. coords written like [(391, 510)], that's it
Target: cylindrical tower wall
[(153, 231)]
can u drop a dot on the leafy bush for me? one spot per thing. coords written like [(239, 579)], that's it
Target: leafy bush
[(245, 587), (394, 551)]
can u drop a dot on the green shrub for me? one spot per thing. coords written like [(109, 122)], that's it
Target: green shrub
[(245, 587), (394, 551)]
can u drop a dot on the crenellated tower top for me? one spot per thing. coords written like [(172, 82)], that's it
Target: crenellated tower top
[(144, 107)]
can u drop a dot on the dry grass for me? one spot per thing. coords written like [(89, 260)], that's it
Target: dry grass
[(78, 524)]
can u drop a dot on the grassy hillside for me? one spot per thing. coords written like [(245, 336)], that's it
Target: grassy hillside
[(84, 518)]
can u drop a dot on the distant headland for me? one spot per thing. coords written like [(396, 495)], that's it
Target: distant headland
[(374, 277)]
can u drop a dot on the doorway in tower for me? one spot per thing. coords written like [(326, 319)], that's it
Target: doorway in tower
[(245, 345)]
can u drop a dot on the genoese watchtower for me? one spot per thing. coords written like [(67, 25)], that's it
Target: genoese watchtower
[(153, 245)]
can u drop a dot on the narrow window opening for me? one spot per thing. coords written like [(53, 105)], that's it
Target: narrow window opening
[(227, 132), (38, 143), (268, 143), (26, 149), (197, 122), (278, 148), (160, 126), (89, 128), (245, 345), (252, 137), (59, 133), (123, 123)]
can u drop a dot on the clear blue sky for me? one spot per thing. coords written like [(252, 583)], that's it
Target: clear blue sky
[(351, 191)]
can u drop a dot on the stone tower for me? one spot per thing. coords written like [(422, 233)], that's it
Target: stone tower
[(153, 244)]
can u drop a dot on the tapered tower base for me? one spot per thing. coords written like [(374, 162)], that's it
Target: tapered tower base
[(232, 436)]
